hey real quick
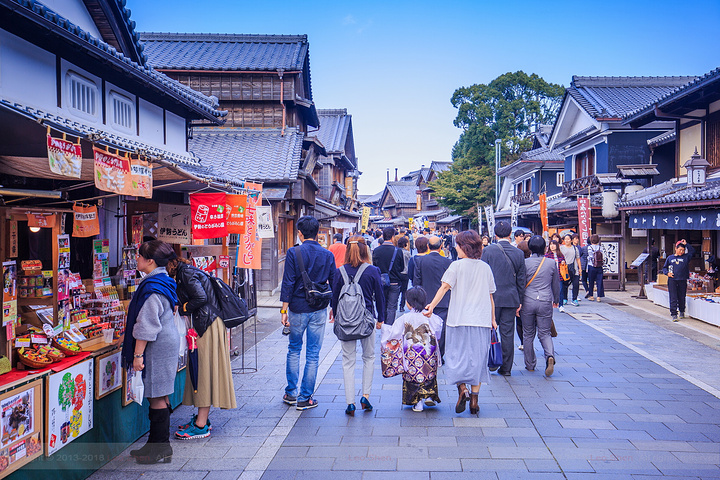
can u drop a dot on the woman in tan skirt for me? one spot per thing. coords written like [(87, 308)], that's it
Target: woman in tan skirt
[(215, 383)]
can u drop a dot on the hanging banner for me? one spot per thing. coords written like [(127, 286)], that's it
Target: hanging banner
[(174, 223), (250, 245), (236, 205), (208, 215), (9, 292), (490, 214), (480, 221), (70, 399), (514, 209), (13, 253), (366, 218), (265, 226), (86, 222), (583, 220), (65, 157), (543, 213), (112, 172), (41, 220), (141, 183), (136, 229)]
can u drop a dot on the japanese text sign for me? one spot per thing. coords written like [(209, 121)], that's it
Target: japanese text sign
[(250, 244), (236, 205), (117, 174), (174, 223), (264, 222), (85, 221), (208, 215), (583, 219), (65, 157)]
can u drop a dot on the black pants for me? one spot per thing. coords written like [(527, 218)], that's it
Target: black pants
[(519, 328), (584, 280), (575, 282), (392, 293), (442, 313), (677, 290), (505, 318), (403, 288)]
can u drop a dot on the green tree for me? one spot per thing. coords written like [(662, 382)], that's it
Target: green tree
[(508, 108)]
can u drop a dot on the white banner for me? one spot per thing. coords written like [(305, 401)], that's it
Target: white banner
[(514, 208), (479, 218), (265, 228), (174, 223), (490, 214)]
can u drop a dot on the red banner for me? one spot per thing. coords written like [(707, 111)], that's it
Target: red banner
[(236, 205), (250, 245), (543, 212), (583, 219), (207, 211)]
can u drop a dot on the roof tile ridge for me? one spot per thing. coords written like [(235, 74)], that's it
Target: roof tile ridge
[(223, 37)]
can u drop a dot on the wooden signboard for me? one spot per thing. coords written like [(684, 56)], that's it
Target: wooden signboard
[(22, 427)]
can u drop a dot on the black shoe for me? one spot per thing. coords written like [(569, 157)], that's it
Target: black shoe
[(550, 366), (142, 451), (159, 453), (505, 374)]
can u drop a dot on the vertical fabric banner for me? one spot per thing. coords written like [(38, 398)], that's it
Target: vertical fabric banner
[(490, 214), (265, 227), (514, 209), (65, 157), (480, 220), (208, 215), (583, 219), (250, 246), (543, 213), (112, 173), (141, 182), (236, 206), (366, 218), (85, 222)]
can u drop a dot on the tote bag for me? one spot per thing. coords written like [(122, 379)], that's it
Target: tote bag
[(495, 357)]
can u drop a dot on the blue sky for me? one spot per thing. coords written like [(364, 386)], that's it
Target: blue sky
[(395, 64)]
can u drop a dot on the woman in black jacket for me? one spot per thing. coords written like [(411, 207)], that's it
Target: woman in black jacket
[(215, 384)]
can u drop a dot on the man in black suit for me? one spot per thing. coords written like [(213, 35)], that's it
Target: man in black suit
[(427, 274), (389, 259), (508, 266)]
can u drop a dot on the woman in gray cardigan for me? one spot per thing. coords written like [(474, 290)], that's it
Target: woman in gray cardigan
[(152, 339)]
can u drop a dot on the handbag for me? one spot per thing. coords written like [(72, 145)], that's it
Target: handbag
[(495, 356), (391, 358), (317, 295), (564, 271)]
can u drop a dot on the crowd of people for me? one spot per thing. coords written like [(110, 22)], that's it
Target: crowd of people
[(436, 297)]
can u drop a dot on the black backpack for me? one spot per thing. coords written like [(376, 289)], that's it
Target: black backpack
[(317, 295), (231, 307)]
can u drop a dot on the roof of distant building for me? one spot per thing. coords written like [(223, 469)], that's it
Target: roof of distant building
[(365, 199), (403, 192), (335, 126), (262, 155), (671, 192)]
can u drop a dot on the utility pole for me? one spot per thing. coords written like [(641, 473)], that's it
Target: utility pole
[(497, 169)]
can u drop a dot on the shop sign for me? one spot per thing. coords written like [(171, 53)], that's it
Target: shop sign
[(65, 157), (112, 172), (9, 293), (265, 226), (41, 220), (142, 179), (490, 214), (224, 261), (70, 399), (31, 265), (174, 223), (85, 222), (206, 263), (514, 210), (208, 215), (236, 205), (697, 220), (584, 227), (250, 245), (136, 229), (366, 218)]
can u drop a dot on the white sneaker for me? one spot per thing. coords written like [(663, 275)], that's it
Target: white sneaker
[(429, 402), (577, 299), (561, 309), (418, 407), (520, 347)]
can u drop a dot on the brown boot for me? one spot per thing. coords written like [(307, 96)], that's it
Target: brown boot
[(474, 407), (463, 397)]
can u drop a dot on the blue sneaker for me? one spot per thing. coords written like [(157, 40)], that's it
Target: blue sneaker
[(193, 432), (576, 303), (192, 422)]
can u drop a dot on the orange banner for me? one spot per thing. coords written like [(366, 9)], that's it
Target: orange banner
[(119, 174), (85, 221), (250, 246), (543, 212), (236, 205), (141, 183), (40, 220)]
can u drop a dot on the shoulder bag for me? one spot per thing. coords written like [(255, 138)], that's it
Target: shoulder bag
[(385, 277), (553, 330), (317, 295)]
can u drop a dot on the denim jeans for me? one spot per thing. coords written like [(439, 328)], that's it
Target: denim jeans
[(595, 274), (314, 324), (392, 294)]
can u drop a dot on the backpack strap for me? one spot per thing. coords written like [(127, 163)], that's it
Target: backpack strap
[(344, 274), (392, 260), (360, 271)]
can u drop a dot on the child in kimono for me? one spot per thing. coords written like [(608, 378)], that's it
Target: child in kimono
[(421, 355)]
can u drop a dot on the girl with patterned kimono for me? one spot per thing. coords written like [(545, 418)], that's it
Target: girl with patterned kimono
[(421, 355)]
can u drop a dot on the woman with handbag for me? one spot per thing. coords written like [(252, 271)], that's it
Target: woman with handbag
[(214, 383), (572, 260), (471, 315), (357, 264), (555, 254), (421, 353), (542, 293)]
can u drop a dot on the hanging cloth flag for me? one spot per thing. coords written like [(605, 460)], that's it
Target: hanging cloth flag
[(112, 172), (514, 210), (250, 245), (141, 184), (65, 157), (265, 227), (207, 213), (85, 221), (41, 220), (490, 214), (236, 205), (544, 214), (583, 219)]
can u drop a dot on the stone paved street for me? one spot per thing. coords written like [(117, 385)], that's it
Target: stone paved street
[(630, 399)]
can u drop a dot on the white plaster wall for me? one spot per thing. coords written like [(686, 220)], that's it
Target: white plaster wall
[(176, 133), (67, 68), (27, 73), (75, 11), (151, 123), (689, 139)]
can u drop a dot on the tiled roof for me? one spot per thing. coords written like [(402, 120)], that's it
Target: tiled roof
[(615, 97), (156, 80), (438, 167), (669, 192), (662, 139), (403, 192), (581, 135), (365, 199), (334, 128), (430, 213), (450, 219), (643, 170), (262, 155), (215, 51)]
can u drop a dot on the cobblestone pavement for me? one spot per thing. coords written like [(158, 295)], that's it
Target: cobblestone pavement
[(629, 399)]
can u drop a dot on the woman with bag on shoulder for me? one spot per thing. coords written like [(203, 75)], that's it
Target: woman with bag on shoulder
[(357, 259), (197, 300), (595, 268), (542, 293), (555, 254), (471, 315), (421, 353), (151, 345)]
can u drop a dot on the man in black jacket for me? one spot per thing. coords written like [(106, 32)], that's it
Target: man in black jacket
[(427, 274), (508, 266), (389, 259)]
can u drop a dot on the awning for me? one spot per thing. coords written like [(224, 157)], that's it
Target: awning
[(275, 193), (688, 220)]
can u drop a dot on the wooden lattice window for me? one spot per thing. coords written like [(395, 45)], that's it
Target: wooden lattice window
[(585, 163), (713, 140)]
